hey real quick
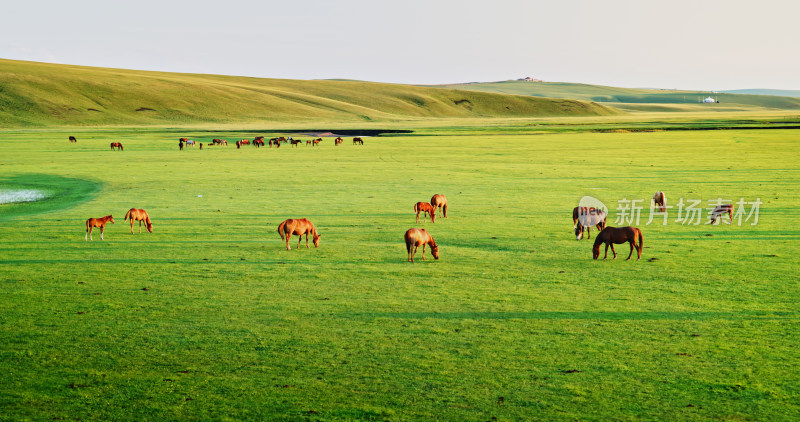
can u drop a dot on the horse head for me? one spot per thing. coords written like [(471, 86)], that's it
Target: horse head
[(578, 232), (111, 219), (150, 227), (316, 239), (598, 240), (435, 250)]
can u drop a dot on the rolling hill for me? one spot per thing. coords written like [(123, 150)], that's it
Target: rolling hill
[(39, 95), (627, 96), (778, 92)]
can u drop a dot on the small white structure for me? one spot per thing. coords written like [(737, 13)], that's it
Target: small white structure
[(709, 100)]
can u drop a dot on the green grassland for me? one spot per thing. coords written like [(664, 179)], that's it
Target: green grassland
[(210, 318), (38, 95), (635, 99)]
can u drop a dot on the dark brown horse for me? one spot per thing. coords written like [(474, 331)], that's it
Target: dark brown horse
[(315, 142), (72, 139), (420, 237), (258, 143), (297, 142), (439, 201), (427, 208), (358, 141), (584, 218), (97, 222), (299, 227), (612, 235), (660, 201), (116, 145), (140, 215), (719, 211), (338, 141)]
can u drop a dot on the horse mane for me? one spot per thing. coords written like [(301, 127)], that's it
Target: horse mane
[(598, 239)]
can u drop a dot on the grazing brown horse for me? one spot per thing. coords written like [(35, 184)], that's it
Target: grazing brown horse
[(440, 201), (72, 139), (136, 214), (258, 143), (297, 142), (719, 211), (612, 235), (97, 222), (427, 208), (244, 142), (338, 141), (315, 142), (219, 142), (420, 237), (585, 218), (660, 201), (358, 141), (116, 145), (299, 227)]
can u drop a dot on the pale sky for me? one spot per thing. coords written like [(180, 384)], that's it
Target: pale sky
[(685, 44)]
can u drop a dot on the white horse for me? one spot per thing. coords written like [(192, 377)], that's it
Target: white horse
[(586, 220), (660, 201)]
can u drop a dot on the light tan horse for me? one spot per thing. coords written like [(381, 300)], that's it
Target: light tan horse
[(660, 201), (420, 237), (440, 201), (300, 227), (719, 211), (140, 215), (586, 219), (97, 222), (427, 208)]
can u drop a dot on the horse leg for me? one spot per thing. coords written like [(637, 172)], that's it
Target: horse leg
[(606, 255), (299, 239), (288, 235), (630, 254), (417, 217), (613, 251), (131, 225), (89, 231), (307, 247), (140, 226), (423, 251), (588, 232), (102, 229), (414, 253)]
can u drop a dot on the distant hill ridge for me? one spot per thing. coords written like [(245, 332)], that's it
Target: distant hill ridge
[(608, 94), (40, 94)]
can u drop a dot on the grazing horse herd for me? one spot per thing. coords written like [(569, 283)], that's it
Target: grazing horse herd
[(583, 218), (257, 142)]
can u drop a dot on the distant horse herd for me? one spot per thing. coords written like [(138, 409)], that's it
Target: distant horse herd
[(583, 218), (257, 142)]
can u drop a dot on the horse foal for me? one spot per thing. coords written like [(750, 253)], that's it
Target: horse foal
[(97, 222)]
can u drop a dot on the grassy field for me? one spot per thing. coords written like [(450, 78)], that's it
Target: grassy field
[(210, 318)]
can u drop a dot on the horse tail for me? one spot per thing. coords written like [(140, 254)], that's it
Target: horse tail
[(444, 210), (280, 229), (128, 215), (641, 242)]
